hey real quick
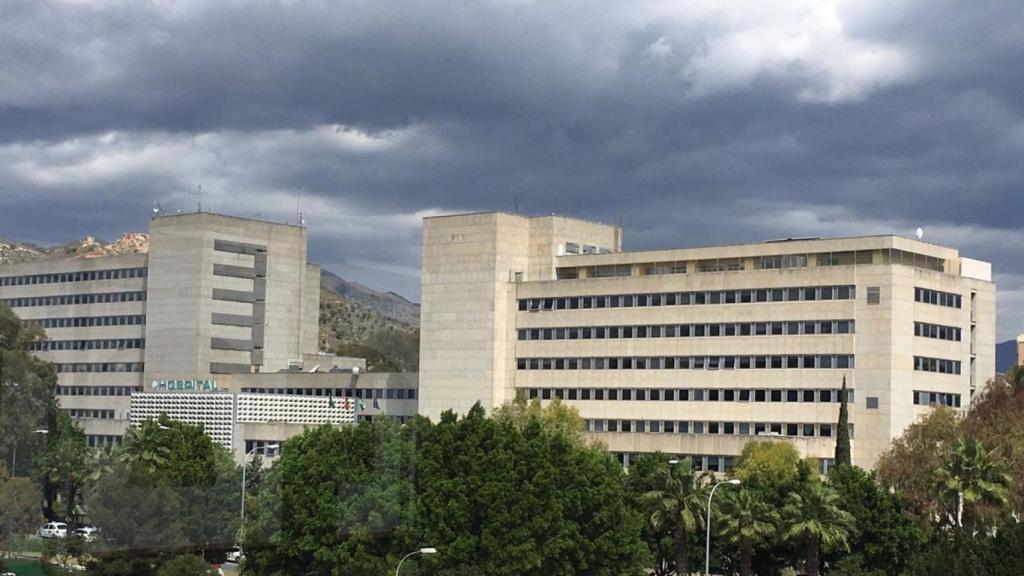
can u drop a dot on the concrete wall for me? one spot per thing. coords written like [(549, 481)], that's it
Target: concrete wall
[(471, 267), (205, 264), (87, 386), (468, 312)]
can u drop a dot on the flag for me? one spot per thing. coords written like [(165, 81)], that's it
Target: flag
[(330, 402), (376, 404), (348, 404), (359, 405)]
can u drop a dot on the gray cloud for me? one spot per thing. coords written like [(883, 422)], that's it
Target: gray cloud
[(693, 123)]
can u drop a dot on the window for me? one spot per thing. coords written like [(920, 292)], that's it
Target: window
[(874, 295), (872, 403), (928, 296)]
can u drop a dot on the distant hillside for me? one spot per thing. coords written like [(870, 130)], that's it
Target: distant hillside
[(387, 303), (1006, 355), (13, 252), (349, 328)]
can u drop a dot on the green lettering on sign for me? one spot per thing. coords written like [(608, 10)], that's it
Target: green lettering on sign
[(189, 385)]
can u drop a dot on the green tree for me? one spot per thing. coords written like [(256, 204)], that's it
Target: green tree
[(970, 476), (495, 497), (1014, 379), (660, 540), (814, 519), (843, 454), (677, 499), (254, 474), (64, 464), (747, 521), (556, 417), (771, 466), (909, 464), (996, 419), (20, 512), (186, 565), (182, 492), (27, 386), (887, 538)]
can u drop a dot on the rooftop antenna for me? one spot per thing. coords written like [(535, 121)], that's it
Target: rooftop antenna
[(515, 203), (919, 233), (298, 207), (199, 196), (157, 209)]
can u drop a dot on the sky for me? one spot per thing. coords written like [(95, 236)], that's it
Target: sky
[(691, 123)]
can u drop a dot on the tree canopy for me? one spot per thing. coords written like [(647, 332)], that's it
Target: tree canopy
[(504, 496), (169, 489)]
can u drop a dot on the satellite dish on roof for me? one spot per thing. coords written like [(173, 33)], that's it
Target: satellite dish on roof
[(919, 233)]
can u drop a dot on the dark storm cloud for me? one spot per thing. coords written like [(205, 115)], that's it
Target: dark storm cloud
[(692, 123)]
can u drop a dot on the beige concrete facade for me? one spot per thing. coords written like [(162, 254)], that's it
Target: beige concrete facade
[(214, 294), (472, 265), (228, 295), (511, 303)]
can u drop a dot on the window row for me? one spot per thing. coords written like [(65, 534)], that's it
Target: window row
[(822, 430), (690, 330), (375, 393), (936, 399), (69, 299), (929, 296), (99, 367), (688, 362), (97, 390), (82, 276), (89, 321), (690, 394), (102, 440), (701, 462), (101, 344), (90, 413), (924, 364), (744, 296), (939, 331)]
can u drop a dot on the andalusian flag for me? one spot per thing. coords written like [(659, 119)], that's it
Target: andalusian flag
[(359, 405)]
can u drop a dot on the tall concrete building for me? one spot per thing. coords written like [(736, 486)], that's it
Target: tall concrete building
[(215, 295), (695, 351)]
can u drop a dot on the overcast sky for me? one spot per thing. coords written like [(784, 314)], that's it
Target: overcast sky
[(692, 122)]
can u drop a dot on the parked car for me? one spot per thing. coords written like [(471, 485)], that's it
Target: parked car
[(234, 555), (53, 530), (87, 533)]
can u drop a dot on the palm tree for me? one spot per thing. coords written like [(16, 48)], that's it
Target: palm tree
[(814, 519), (747, 521), (969, 476), (677, 499)]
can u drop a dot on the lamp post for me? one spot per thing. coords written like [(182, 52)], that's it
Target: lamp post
[(707, 550), (429, 550), (14, 454), (178, 430), (245, 465)]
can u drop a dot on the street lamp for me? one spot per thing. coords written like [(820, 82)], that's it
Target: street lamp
[(430, 550), (178, 430), (707, 551), (245, 464), (14, 454)]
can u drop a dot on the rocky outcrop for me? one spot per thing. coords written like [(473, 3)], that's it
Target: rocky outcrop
[(89, 247)]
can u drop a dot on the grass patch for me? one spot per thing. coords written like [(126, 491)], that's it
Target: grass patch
[(24, 567)]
